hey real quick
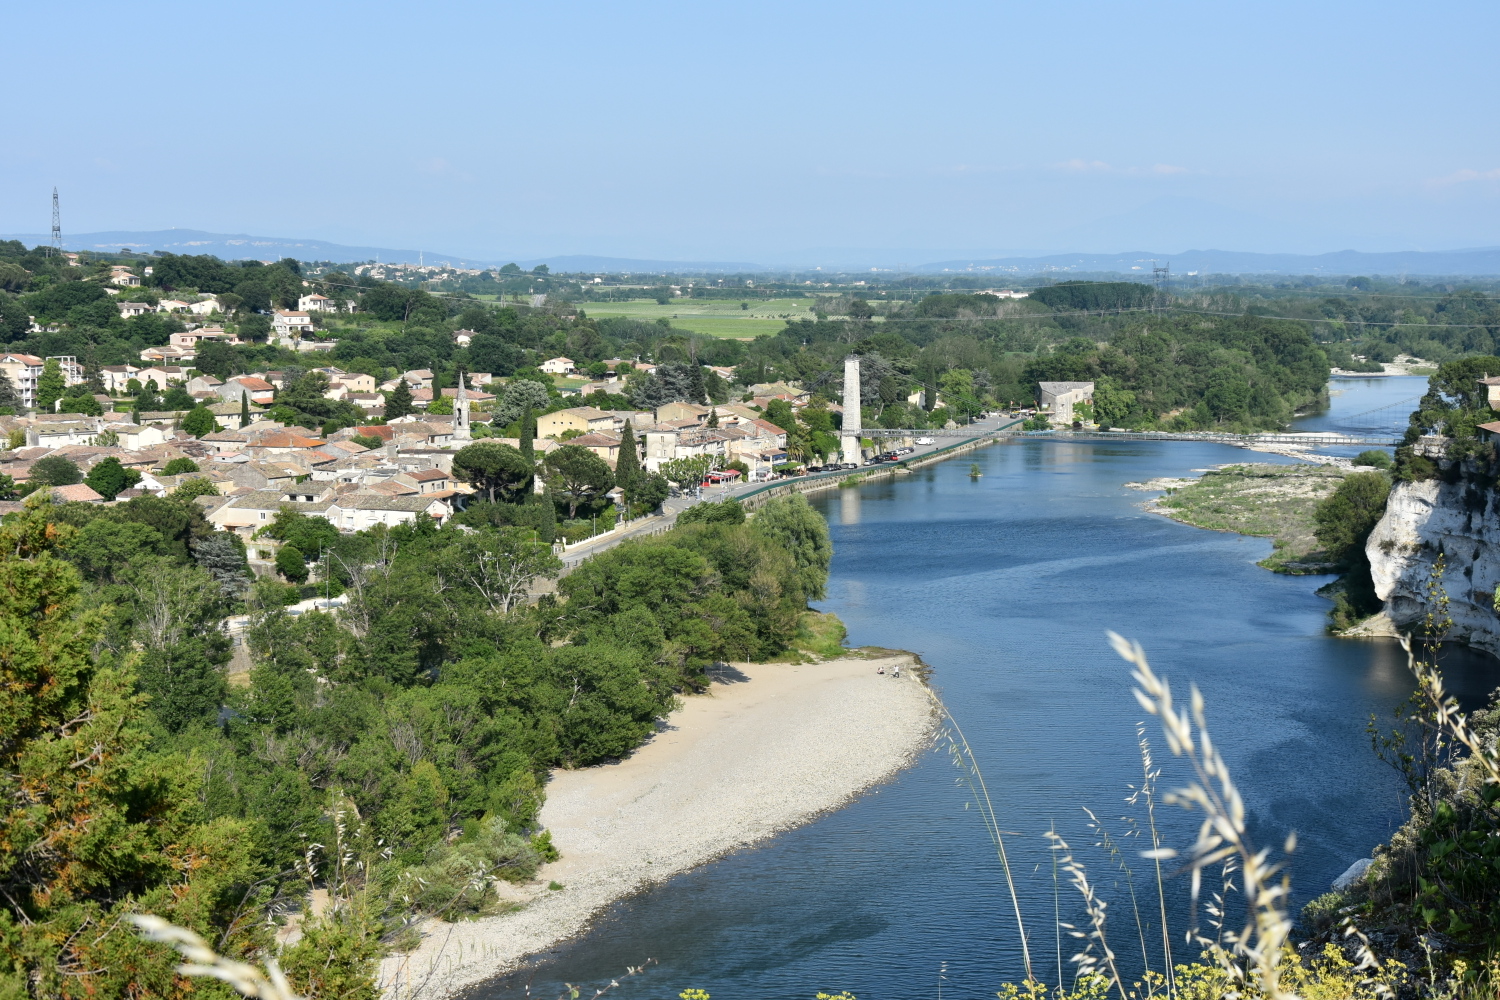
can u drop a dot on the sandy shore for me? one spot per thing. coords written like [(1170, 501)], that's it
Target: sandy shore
[(755, 756)]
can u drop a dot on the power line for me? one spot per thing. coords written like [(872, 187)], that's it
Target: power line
[(1305, 319)]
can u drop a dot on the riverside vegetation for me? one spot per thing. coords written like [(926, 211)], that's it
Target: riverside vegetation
[(393, 755), (1375, 939), (1318, 516)]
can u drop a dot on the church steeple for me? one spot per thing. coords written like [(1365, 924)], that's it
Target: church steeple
[(461, 410)]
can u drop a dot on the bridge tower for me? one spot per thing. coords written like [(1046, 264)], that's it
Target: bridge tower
[(853, 428)]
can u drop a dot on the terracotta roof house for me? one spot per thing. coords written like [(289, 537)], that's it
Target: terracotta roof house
[(77, 493)]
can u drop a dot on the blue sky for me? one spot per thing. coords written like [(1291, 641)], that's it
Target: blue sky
[(765, 131)]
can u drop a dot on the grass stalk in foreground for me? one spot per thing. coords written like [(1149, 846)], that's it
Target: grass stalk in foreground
[(1222, 834), (1147, 793), (968, 765)]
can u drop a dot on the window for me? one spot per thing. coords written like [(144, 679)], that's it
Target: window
[(262, 515)]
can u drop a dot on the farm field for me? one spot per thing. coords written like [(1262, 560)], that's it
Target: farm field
[(710, 317)]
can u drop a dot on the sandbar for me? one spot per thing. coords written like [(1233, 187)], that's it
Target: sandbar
[(768, 749)]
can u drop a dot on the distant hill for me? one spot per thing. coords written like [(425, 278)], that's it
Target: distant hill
[(1481, 261), (241, 246)]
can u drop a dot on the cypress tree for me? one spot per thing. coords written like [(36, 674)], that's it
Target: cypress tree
[(528, 434), (627, 466), (244, 409)]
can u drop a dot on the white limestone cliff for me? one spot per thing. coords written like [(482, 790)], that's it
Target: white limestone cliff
[(1462, 521)]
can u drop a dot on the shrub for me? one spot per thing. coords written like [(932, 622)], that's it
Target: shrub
[(454, 880), (291, 564)]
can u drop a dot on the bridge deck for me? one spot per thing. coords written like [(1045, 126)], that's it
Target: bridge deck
[(1308, 438)]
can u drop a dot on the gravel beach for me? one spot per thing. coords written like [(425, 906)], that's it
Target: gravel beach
[(766, 751)]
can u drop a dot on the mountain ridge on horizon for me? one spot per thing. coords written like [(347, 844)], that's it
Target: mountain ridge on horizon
[(1467, 262)]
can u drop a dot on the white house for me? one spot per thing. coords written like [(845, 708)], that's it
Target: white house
[(316, 303), (259, 390), (289, 325), (161, 375), (557, 366), (204, 307), (123, 277), (168, 353), (190, 339), (172, 306), (129, 309), (117, 377), (23, 370)]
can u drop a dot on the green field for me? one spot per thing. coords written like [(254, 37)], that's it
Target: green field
[(710, 317)]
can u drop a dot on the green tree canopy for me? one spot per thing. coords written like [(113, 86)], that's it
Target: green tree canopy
[(56, 470), (178, 466), (109, 478), (399, 403), (291, 564), (498, 469), (50, 386), (310, 535), (579, 474), (200, 421), (1345, 519), (792, 524)]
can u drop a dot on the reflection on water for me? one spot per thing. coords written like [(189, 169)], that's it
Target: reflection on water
[(849, 506), (1006, 585)]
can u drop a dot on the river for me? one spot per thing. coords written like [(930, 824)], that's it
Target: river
[(1005, 584)]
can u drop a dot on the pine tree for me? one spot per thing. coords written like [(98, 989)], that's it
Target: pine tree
[(50, 386), (399, 403), (93, 376), (244, 409), (223, 557), (96, 826), (9, 400), (713, 417)]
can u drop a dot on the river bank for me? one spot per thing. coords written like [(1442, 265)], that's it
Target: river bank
[(1261, 499), (770, 747)]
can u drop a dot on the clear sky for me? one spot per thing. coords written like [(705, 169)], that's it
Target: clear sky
[(769, 132)]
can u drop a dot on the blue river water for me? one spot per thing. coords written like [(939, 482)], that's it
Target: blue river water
[(1005, 584)]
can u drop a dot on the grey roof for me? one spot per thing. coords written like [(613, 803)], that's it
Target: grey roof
[(1063, 386), (414, 504), (272, 500)]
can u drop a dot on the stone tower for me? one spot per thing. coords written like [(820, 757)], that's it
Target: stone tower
[(850, 434), (461, 411)]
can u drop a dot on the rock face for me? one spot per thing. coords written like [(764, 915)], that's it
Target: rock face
[(1461, 520)]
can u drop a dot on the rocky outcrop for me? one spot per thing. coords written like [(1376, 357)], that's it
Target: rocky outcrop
[(1459, 519)]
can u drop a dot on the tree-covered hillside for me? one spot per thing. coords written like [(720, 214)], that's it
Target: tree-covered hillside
[(409, 735)]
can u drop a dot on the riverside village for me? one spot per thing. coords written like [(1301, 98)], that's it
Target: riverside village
[(638, 533)]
